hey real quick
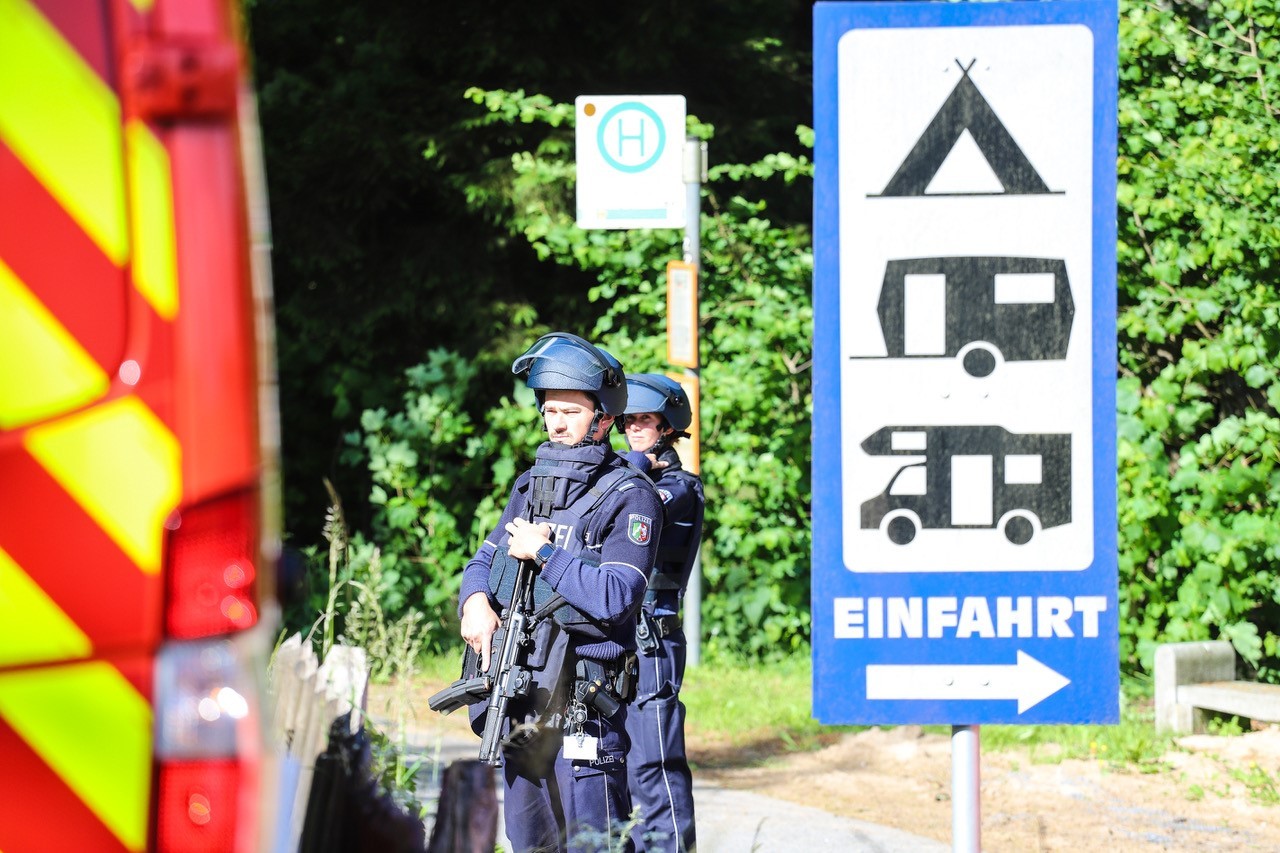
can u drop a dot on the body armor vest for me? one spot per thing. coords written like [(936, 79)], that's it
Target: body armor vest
[(677, 552), (564, 489)]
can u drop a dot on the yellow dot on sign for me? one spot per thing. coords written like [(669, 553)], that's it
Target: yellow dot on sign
[(589, 109)]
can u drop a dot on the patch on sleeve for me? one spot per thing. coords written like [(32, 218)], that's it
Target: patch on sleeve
[(665, 495), (639, 528)]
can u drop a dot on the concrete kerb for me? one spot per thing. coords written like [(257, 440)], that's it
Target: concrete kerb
[(729, 820)]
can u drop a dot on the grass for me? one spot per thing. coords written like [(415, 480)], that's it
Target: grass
[(753, 710), (746, 702), (442, 669), (734, 699)]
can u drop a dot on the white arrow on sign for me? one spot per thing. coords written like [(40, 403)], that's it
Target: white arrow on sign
[(1028, 681)]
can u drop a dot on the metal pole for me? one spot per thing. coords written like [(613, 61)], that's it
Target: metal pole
[(695, 172), (966, 811)]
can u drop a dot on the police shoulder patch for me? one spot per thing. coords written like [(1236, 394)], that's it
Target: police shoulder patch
[(665, 495), (639, 528)]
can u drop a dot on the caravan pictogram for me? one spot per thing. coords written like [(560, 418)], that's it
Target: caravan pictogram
[(970, 477), (981, 310), (966, 110)]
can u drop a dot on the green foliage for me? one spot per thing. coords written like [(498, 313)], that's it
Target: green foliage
[(378, 171), (436, 481), (1199, 168), (439, 483)]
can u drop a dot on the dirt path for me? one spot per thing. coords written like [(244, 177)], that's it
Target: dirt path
[(1215, 793), (1212, 793)]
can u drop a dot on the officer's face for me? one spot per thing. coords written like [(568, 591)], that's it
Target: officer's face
[(568, 416), (643, 429)]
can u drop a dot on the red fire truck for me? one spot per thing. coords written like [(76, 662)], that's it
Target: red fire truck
[(138, 514)]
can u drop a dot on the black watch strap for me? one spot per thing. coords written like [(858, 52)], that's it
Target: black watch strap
[(544, 553)]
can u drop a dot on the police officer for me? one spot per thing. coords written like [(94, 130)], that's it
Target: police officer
[(590, 522), (657, 413)]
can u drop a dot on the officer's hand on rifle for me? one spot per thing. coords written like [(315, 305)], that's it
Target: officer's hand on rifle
[(527, 538), (478, 624)]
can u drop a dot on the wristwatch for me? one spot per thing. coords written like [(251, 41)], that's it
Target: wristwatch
[(544, 554)]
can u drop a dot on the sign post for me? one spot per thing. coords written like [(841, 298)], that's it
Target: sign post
[(964, 565), (682, 344)]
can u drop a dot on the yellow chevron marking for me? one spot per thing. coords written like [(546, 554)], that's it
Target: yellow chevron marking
[(63, 122), (43, 369), (122, 464), (33, 629), (155, 262), (88, 723)]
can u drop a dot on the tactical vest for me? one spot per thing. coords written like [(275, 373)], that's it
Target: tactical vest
[(545, 490), (675, 557)]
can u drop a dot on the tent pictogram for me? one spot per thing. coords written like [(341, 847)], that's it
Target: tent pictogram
[(966, 110)]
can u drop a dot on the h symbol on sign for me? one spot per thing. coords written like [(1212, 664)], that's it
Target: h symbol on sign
[(637, 137)]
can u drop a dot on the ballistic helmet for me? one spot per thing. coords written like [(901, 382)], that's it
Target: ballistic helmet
[(653, 392), (564, 362)]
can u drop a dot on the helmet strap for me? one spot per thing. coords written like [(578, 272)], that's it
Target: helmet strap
[(588, 440), (665, 440)]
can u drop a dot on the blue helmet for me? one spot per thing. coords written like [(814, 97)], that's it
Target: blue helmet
[(564, 362), (653, 392)]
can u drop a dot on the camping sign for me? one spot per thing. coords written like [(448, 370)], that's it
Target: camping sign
[(964, 303)]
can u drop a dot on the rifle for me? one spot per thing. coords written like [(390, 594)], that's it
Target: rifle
[(507, 677)]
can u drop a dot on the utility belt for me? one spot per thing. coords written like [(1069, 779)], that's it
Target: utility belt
[(606, 686), (651, 628)]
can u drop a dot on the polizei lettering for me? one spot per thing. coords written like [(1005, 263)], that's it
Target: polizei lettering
[(918, 617)]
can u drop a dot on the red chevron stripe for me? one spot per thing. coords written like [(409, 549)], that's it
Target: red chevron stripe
[(44, 246), (74, 561), (38, 812), (84, 28)]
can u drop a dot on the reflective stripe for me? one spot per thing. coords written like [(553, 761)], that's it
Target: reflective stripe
[(63, 122), (88, 723), (155, 262), (43, 369), (32, 626), (122, 464)]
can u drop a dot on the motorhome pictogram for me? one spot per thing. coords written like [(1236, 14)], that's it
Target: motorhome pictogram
[(983, 310), (970, 477)]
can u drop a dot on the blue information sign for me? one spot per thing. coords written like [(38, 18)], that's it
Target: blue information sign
[(964, 466)]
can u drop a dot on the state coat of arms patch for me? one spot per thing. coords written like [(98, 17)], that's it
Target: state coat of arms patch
[(639, 528)]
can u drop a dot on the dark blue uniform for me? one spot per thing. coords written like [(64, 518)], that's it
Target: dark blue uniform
[(657, 768), (606, 519)]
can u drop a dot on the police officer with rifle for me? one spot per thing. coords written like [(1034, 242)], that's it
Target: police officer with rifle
[(548, 610), (658, 413)]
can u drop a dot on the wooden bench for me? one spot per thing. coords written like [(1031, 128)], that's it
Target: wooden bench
[(1195, 681)]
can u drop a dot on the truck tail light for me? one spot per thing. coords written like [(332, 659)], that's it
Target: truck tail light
[(197, 806), (207, 748), (212, 574)]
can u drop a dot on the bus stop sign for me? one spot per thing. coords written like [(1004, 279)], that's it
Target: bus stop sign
[(629, 157), (964, 545)]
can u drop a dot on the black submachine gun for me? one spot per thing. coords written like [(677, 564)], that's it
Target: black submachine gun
[(508, 676)]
